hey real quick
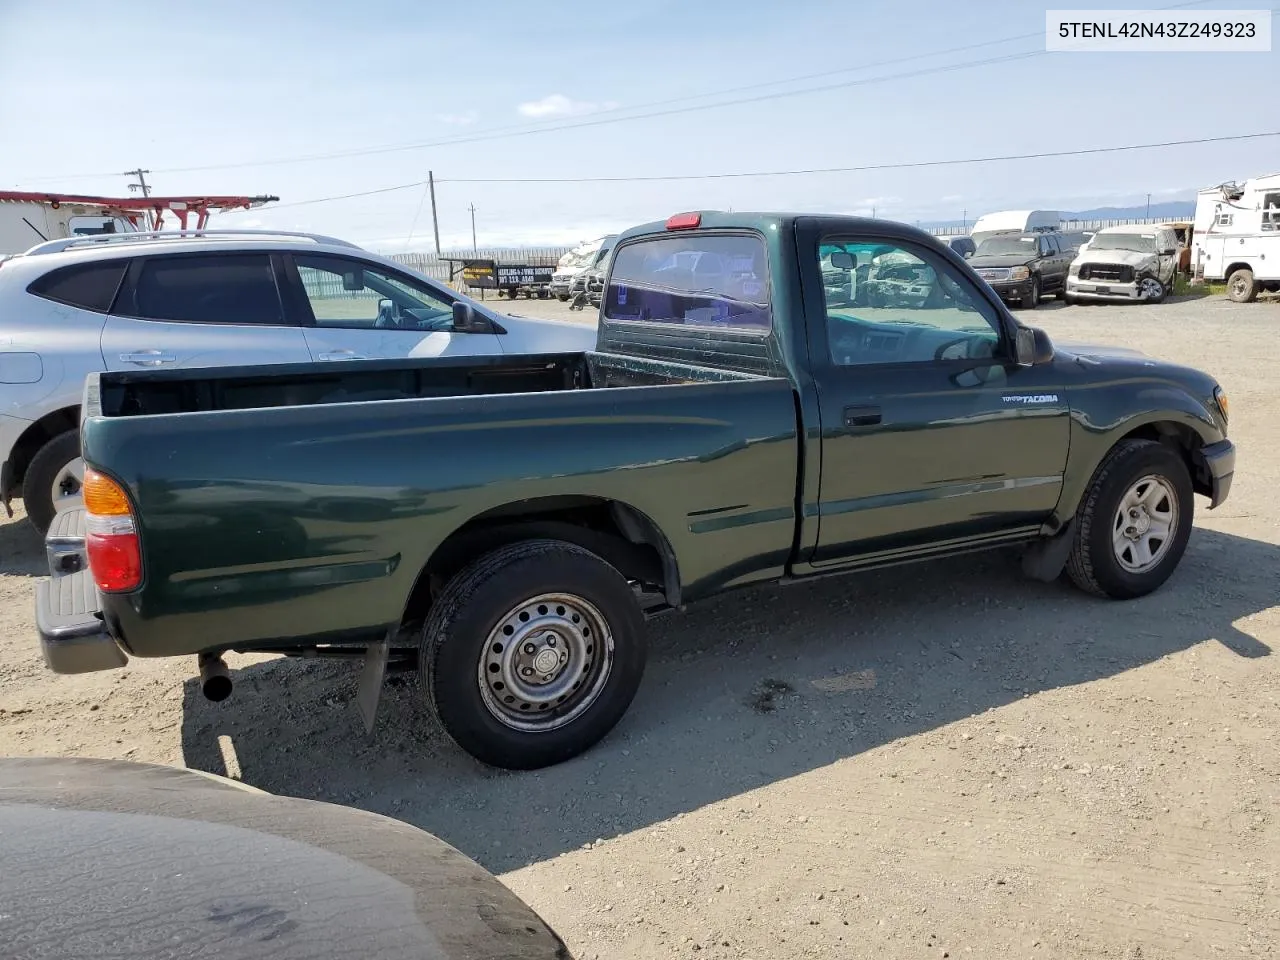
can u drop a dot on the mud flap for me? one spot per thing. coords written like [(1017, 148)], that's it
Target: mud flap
[(1046, 559), (371, 677)]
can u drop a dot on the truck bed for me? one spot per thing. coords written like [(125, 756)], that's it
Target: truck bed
[(147, 393), (300, 504)]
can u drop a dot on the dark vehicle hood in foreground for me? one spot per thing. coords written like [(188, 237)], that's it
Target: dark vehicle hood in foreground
[(1002, 260), (1106, 362), (113, 859)]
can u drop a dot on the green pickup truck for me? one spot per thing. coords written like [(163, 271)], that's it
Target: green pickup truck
[(771, 398)]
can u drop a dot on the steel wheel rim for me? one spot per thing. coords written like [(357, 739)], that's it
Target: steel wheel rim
[(1145, 524), (1151, 288), (68, 482), (545, 662), (1238, 286)]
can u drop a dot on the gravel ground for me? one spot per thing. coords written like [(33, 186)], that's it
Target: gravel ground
[(933, 761)]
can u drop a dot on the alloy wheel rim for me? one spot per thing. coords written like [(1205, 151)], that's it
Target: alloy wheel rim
[(1145, 524)]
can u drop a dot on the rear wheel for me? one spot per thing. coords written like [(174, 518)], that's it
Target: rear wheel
[(1133, 524), (1241, 286), (53, 479), (533, 653)]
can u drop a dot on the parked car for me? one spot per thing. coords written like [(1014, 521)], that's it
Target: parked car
[(571, 271), (1021, 267), (1125, 263), (108, 858), (962, 245), (507, 523), (146, 301)]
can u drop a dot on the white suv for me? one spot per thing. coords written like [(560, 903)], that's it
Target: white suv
[(203, 299)]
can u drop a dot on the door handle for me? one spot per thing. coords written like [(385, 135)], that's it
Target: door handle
[(149, 358), (861, 416), (341, 355)]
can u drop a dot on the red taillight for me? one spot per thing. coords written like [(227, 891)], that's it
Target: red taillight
[(111, 539), (684, 221)]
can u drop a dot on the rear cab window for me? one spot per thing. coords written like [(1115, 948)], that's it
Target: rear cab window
[(89, 286), (695, 280)]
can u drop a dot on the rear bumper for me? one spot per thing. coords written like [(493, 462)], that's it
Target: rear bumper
[(73, 637), (1220, 458)]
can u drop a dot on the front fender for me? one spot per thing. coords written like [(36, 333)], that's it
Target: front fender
[(1104, 414)]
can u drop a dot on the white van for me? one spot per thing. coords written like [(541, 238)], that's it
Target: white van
[(25, 223), (1015, 221), (1236, 227)]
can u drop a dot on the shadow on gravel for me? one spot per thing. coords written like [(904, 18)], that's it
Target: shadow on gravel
[(21, 549), (743, 691)]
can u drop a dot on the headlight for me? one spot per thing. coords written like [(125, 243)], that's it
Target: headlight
[(1220, 397), (1019, 273), (1074, 270)]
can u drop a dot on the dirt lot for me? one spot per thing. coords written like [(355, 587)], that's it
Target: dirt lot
[(928, 762)]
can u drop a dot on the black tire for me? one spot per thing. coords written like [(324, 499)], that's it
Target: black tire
[(562, 297), (1032, 299), (1241, 286), (37, 484), (1093, 565), (1159, 297), (457, 634)]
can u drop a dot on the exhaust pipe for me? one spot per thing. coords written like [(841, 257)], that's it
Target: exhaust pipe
[(215, 678)]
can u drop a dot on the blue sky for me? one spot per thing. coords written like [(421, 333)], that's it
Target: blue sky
[(92, 88)]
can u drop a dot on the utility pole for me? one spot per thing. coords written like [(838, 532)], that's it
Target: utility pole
[(964, 219), (435, 223), (475, 251), (873, 213), (142, 181), (1148, 206)]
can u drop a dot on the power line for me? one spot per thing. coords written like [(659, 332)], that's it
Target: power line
[(863, 168), (595, 120)]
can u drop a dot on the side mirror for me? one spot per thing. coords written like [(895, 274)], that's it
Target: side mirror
[(1031, 346), (353, 281), (466, 320), (968, 254), (1168, 253), (842, 260)]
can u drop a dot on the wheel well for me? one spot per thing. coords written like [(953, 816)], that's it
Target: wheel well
[(616, 532), (36, 436), (1186, 443), (1234, 267)]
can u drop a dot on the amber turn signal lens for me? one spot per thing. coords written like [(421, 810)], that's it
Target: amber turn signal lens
[(1221, 396), (103, 497)]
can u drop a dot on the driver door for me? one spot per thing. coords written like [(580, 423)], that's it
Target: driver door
[(356, 310), (931, 435)]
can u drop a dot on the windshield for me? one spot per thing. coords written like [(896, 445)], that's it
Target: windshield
[(1136, 242), (1003, 246)]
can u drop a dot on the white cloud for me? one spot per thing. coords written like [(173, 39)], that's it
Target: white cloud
[(558, 105), (458, 119)]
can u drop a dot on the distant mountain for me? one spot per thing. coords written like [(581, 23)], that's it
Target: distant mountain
[(1170, 210), (1173, 209)]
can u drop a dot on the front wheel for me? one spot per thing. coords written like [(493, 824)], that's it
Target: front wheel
[(533, 653), (1152, 290), (1133, 524), (1032, 299)]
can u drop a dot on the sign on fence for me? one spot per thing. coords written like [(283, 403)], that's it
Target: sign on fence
[(519, 275)]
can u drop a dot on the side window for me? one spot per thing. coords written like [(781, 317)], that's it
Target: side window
[(704, 280), (1271, 211), (89, 286), (891, 304), (352, 293), (238, 288)]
